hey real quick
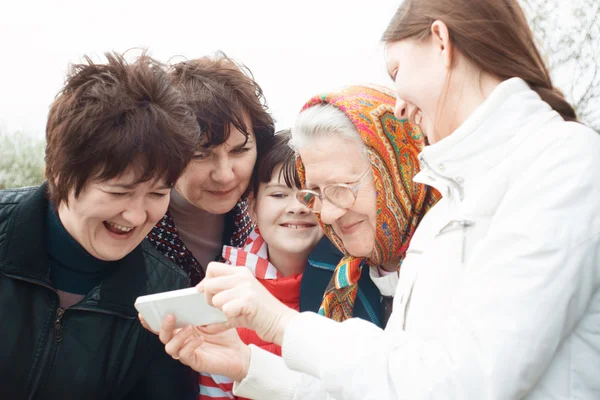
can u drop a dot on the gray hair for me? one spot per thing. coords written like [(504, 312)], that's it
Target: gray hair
[(323, 120)]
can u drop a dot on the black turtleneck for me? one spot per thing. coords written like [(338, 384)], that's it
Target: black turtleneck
[(73, 269)]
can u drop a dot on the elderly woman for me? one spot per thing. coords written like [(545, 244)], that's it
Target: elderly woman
[(499, 293), (73, 257), (208, 207)]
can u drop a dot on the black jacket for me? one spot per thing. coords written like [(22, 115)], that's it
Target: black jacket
[(96, 349)]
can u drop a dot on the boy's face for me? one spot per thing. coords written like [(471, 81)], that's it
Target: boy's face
[(286, 225)]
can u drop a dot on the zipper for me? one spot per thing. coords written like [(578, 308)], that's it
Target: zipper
[(320, 266), (454, 225), (57, 334), (361, 296)]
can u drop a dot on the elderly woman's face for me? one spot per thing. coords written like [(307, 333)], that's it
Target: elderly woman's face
[(110, 219), (217, 177), (330, 160)]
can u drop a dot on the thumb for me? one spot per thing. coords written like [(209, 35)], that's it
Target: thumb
[(213, 329)]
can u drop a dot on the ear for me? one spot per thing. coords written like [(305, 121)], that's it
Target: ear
[(252, 207), (441, 41)]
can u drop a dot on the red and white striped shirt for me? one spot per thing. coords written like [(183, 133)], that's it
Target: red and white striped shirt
[(254, 256)]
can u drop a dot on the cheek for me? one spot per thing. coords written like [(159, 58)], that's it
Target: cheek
[(268, 212), (156, 209), (244, 166), (194, 176)]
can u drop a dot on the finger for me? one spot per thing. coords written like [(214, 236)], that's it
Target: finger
[(167, 329), (234, 310), (214, 329), (145, 324), (188, 353), (176, 343), (227, 295), (218, 284), (215, 269)]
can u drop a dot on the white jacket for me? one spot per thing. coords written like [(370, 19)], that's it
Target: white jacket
[(499, 294)]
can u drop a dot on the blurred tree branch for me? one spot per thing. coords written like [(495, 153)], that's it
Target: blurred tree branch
[(569, 36)]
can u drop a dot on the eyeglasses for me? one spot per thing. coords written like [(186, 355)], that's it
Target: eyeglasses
[(340, 195)]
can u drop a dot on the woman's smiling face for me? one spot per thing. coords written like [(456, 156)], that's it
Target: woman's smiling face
[(330, 159)]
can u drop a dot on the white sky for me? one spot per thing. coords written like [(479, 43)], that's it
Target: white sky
[(295, 49)]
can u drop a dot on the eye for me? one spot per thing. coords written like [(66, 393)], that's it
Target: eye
[(278, 195), (199, 156), (118, 194), (241, 150), (158, 195), (394, 74)]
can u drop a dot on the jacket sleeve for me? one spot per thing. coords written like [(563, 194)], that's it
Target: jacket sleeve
[(526, 287), (269, 378), (166, 379)]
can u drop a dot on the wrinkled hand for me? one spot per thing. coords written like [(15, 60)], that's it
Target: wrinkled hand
[(208, 349), (245, 301)]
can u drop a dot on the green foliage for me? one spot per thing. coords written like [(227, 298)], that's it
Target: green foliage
[(21, 160)]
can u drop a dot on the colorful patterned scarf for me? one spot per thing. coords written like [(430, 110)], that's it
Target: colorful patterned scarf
[(393, 146)]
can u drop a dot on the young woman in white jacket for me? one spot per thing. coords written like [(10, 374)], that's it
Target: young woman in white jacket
[(498, 296)]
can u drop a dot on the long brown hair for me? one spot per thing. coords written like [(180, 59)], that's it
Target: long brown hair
[(493, 34)]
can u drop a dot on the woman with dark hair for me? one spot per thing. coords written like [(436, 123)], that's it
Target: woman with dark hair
[(73, 258), (208, 207), (498, 296)]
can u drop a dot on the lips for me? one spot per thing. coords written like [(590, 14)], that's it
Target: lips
[(351, 227), (298, 225), (117, 229), (221, 193)]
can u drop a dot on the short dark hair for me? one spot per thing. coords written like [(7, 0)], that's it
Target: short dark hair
[(222, 92), (111, 116), (278, 152)]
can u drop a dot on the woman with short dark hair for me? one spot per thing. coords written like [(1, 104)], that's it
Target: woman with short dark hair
[(73, 258), (208, 206)]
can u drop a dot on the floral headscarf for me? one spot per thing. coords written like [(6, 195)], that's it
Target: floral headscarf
[(393, 147)]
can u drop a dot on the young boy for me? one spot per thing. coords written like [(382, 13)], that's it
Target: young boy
[(277, 250)]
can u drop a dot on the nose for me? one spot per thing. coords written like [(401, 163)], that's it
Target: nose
[(295, 207), (330, 213), (222, 172), (135, 213), (401, 109)]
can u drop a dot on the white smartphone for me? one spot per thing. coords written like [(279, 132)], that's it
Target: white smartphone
[(189, 307)]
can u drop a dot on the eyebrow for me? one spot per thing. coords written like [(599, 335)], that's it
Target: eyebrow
[(277, 185), (250, 140), (336, 179), (130, 186)]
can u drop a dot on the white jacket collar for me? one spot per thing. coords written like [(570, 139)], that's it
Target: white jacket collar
[(486, 136)]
